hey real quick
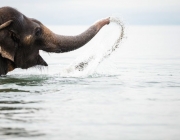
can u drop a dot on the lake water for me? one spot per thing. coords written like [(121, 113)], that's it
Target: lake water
[(132, 95)]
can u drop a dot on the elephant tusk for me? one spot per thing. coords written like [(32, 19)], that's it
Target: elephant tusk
[(4, 25)]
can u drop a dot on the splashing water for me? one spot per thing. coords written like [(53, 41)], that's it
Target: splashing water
[(87, 63)]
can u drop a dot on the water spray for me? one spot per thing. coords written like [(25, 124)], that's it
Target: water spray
[(83, 64)]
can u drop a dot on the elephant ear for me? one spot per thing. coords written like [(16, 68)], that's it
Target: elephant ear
[(7, 45)]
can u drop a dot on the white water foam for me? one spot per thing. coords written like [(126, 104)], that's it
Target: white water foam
[(87, 63)]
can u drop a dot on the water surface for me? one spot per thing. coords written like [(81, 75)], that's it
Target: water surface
[(132, 95)]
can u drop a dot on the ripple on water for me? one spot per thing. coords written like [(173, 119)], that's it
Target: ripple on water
[(24, 80), (12, 90), (19, 132)]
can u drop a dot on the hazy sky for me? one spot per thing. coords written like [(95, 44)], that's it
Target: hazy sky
[(133, 12)]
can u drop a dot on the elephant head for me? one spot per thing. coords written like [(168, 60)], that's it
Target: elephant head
[(21, 38)]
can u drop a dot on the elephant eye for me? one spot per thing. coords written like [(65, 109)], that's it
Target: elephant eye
[(38, 32)]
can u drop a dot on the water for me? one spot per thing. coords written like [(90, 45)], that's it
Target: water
[(132, 95)]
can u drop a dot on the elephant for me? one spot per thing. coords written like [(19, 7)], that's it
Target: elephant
[(21, 39)]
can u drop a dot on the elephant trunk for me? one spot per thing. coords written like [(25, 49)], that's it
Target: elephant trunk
[(69, 43)]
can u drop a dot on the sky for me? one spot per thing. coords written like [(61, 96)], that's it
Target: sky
[(84, 12)]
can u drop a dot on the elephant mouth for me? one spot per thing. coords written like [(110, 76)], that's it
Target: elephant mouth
[(30, 61), (41, 61)]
